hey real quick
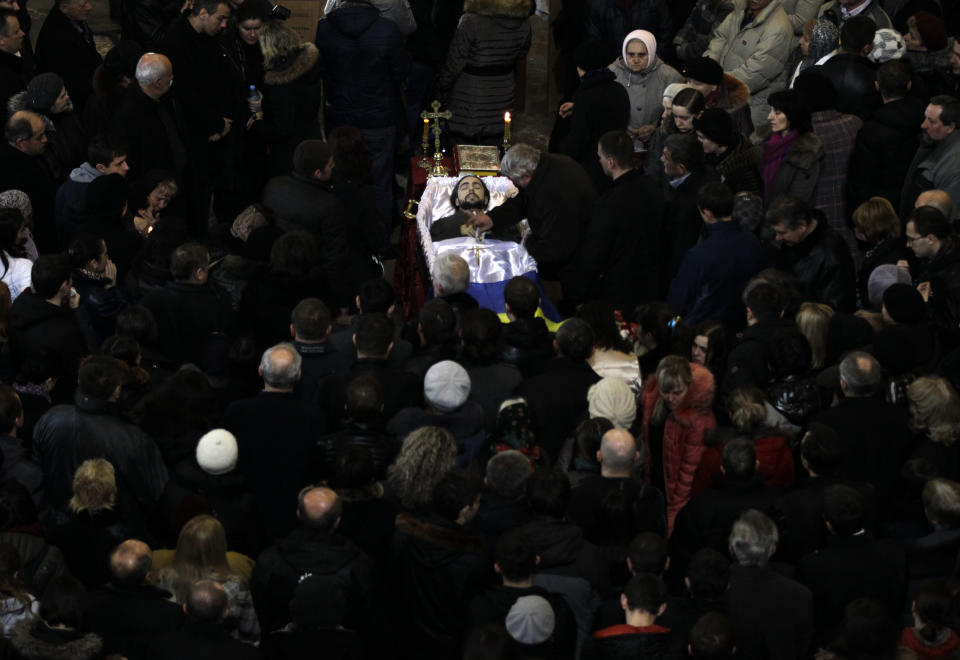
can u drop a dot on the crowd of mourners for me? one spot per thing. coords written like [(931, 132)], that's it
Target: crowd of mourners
[(224, 434)]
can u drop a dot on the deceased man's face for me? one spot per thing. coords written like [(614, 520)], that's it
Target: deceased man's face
[(471, 193)]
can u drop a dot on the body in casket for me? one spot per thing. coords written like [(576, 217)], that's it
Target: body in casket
[(492, 260)]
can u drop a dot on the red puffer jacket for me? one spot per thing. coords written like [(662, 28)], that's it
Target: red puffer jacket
[(683, 435)]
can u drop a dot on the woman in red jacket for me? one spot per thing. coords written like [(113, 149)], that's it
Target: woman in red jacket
[(677, 415)]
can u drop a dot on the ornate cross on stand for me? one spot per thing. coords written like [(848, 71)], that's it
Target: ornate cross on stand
[(438, 168)]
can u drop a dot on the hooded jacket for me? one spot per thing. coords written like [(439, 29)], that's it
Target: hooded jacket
[(292, 99), (69, 204), (683, 434), (363, 65), (35, 640)]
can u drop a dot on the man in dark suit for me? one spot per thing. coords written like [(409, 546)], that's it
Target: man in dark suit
[(22, 168), (65, 46), (15, 70)]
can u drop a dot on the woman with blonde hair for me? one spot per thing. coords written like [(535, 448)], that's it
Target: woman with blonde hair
[(292, 93), (875, 223), (677, 417), (425, 457), (747, 408), (813, 321), (935, 412), (202, 554), (92, 524)]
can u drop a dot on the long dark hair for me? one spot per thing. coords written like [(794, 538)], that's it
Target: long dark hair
[(11, 222)]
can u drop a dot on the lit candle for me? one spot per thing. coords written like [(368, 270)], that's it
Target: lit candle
[(426, 129), (506, 126)]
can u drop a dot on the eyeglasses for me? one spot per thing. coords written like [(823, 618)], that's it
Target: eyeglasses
[(911, 239)]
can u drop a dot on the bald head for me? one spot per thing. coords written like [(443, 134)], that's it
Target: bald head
[(319, 508), (280, 367), (938, 199), (25, 131), (207, 601), (154, 74), (618, 453), (131, 562)]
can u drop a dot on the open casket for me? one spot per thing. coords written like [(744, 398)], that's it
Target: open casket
[(492, 262)]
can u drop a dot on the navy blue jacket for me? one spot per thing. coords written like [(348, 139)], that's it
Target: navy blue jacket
[(363, 62), (713, 273)]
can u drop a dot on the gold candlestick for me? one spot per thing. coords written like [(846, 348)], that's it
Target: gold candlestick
[(438, 168)]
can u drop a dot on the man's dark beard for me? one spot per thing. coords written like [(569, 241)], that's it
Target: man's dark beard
[(479, 205)]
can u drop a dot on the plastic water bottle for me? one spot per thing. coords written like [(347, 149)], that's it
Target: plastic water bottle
[(254, 97)]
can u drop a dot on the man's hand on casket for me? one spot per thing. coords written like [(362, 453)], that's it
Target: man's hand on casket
[(480, 221)]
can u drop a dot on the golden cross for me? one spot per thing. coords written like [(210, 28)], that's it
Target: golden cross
[(436, 116), (476, 251)]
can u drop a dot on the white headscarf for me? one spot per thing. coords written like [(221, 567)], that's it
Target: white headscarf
[(648, 40)]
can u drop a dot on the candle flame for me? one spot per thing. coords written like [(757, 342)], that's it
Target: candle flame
[(506, 116)]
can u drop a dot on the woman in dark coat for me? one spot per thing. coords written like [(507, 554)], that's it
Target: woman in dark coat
[(792, 154), (292, 94), (876, 224), (477, 81)]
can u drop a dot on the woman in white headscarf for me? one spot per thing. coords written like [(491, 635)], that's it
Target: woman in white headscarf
[(645, 76)]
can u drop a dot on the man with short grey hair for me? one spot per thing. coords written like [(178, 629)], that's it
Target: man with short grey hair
[(556, 196), (873, 433), (276, 433), (451, 279), (772, 616)]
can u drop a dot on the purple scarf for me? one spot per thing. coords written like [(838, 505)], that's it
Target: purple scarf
[(775, 151)]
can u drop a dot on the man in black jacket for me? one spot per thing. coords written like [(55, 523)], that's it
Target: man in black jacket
[(15, 71), (815, 254), (937, 274), (65, 46), (526, 340), (556, 196), (130, 613), (620, 261), (22, 168), (315, 548), (851, 73)]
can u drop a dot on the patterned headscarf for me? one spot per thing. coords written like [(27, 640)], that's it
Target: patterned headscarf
[(823, 40), (515, 430)]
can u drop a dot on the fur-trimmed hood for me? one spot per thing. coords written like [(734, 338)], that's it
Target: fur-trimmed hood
[(734, 93), (32, 638), (697, 402), (806, 152), (290, 68), (508, 8)]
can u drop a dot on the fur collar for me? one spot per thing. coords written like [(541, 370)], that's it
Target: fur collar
[(448, 537), (697, 402), (304, 61), (807, 150), (508, 8), (29, 645), (738, 94)]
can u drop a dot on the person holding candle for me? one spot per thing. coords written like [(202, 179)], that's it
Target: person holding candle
[(476, 83)]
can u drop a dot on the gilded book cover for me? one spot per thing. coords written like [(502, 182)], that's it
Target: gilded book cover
[(480, 160)]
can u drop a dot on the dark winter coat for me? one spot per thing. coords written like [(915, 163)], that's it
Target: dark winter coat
[(887, 251), (588, 495), (14, 76), (527, 343), (882, 153), (321, 553), (69, 52), (750, 360), (713, 273), (275, 472), (682, 221), (875, 438), (400, 389), (30, 174), (101, 303), (68, 435), (853, 78), (771, 616), (35, 640), (623, 641), (943, 272), (619, 260), (611, 22), (292, 96), (202, 641), (558, 202), (800, 173), (477, 78), (17, 463), (383, 447), (822, 264), (42, 562), (319, 361), (129, 619), (467, 424), (739, 166), (557, 397), (363, 64), (87, 540), (154, 131), (601, 105)]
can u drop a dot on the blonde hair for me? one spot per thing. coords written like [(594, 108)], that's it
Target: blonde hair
[(813, 321), (277, 41), (936, 407), (94, 487), (876, 220), (425, 457), (746, 408), (201, 554), (673, 373)]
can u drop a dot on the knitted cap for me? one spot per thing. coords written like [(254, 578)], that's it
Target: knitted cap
[(446, 386), (612, 399), (531, 620), (217, 452), (43, 90), (717, 126), (932, 29), (704, 70), (904, 303), (888, 44), (880, 280)]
